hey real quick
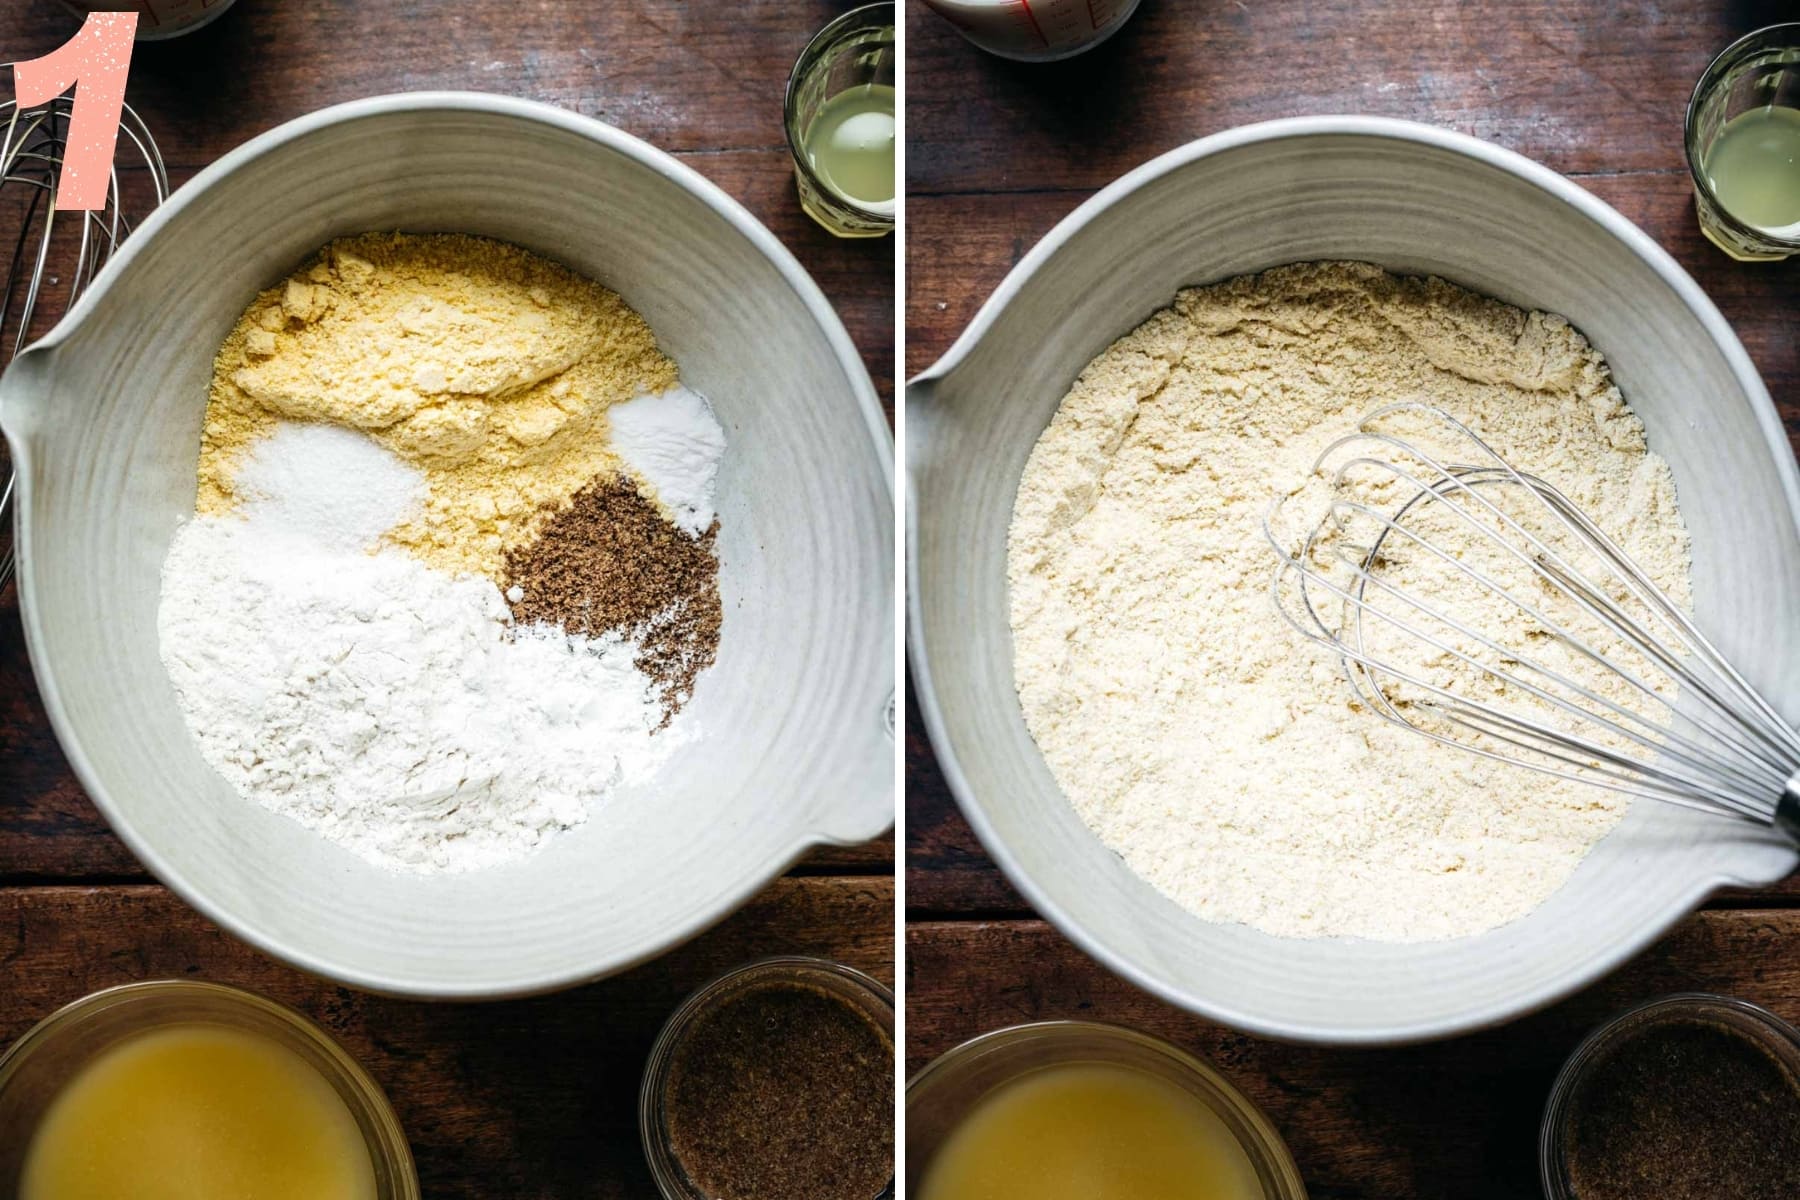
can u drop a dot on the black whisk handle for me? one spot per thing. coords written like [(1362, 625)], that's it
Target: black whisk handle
[(1787, 809)]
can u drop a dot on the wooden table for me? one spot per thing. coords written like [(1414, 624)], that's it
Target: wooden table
[(519, 1100), (997, 153)]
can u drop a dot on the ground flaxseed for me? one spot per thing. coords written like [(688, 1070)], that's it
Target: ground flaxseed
[(1685, 1110), (784, 1092), (610, 561)]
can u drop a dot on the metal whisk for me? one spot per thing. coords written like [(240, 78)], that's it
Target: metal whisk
[(56, 255), (1476, 604)]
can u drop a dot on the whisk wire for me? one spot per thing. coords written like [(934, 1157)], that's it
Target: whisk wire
[(1695, 644), (1717, 723), (1554, 568), (31, 153), (1364, 577), (1704, 737), (1460, 708)]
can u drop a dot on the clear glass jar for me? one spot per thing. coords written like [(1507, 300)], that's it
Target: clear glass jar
[(1759, 70), (854, 51), (41, 1063), (1757, 1024), (1043, 31), (942, 1095), (862, 993)]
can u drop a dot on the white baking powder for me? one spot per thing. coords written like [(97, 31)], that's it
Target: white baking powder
[(1218, 754), (387, 705), (672, 441)]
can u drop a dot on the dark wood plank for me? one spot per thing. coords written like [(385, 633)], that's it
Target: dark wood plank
[(1455, 1118), (1583, 87), (531, 1100), (688, 77)]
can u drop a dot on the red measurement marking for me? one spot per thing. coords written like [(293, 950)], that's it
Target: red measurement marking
[(1032, 17), (1093, 21)]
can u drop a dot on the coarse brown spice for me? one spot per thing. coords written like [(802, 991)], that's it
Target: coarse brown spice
[(784, 1092), (1685, 1110), (611, 562)]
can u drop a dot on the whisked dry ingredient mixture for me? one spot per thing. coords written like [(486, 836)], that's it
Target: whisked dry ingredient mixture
[(399, 431), (1225, 760), (1686, 1109), (784, 1092)]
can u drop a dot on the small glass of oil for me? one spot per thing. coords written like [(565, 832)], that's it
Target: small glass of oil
[(1743, 146), (840, 123)]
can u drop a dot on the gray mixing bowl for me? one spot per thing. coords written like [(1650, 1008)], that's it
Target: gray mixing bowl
[(1413, 199), (103, 418)]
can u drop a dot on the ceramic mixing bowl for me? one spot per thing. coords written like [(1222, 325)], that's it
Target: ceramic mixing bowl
[(1417, 200), (103, 419)]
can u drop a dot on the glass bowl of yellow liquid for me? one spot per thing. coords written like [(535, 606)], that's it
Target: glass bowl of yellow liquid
[(1070, 1110), (179, 1090)]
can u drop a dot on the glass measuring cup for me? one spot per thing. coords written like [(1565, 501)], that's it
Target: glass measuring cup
[(1757, 76), (1035, 30), (851, 62), (158, 20)]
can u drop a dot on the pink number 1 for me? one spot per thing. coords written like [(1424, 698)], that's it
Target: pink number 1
[(94, 62)]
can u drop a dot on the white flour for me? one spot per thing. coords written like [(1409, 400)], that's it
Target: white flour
[(1198, 737), (387, 705), (673, 442)]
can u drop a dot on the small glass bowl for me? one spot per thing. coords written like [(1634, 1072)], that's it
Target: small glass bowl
[(1757, 1024), (41, 1063), (1760, 69), (942, 1095), (856, 50), (875, 1002)]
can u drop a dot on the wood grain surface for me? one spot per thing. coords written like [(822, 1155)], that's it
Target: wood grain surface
[(534, 1098), (997, 153), (1452, 1120), (526, 1100)]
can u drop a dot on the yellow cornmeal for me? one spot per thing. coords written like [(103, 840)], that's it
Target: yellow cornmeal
[(485, 366)]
